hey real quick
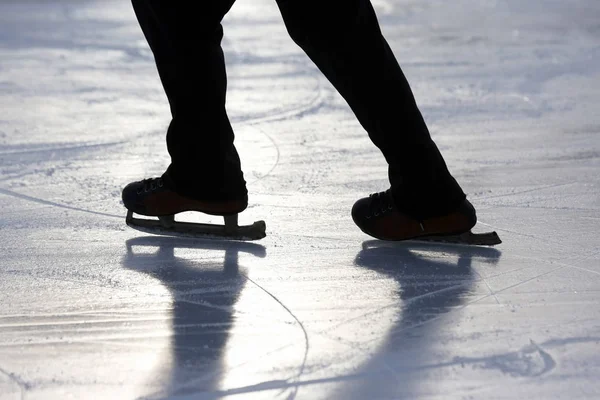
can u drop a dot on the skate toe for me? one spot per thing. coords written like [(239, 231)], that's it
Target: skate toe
[(377, 216), (360, 211), (131, 197)]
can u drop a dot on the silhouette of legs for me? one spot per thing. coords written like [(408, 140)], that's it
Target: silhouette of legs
[(343, 38)]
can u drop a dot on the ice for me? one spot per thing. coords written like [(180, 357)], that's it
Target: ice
[(90, 309)]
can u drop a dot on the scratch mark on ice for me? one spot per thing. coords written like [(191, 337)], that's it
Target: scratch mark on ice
[(276, 159), (13, 378), (531, 361), (54, 204), (306, 341)]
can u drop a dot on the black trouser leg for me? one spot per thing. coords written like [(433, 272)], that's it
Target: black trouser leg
[(343, 38), (186, 42)]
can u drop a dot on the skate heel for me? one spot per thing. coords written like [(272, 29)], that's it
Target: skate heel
[(167, 221), (231, 223)]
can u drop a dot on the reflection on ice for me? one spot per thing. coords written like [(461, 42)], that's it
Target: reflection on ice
[(88, 307)]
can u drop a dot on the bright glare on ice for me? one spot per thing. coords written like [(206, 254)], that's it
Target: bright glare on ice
[(90, 309)]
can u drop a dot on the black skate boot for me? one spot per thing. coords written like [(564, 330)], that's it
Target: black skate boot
[(156, 197), (378, 216)]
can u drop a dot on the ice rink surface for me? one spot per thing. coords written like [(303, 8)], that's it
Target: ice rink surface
[(90, 309)]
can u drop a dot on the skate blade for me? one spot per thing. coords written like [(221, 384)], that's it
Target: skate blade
[(169, 227), (467, 238)]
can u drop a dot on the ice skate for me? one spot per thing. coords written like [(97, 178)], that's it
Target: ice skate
[(378, 216), (154, 197)]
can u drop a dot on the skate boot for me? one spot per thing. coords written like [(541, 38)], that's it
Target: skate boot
[(378, 216), (156, 197)]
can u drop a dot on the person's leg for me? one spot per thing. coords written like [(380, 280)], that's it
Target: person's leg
[(343, 38), (186, 42)]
